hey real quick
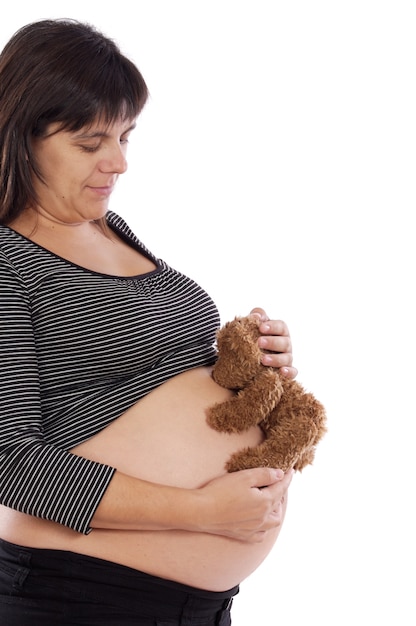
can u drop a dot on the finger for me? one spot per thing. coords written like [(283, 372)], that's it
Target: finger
[(262, 535), (277, 359), (260, 313), (276, 340), (281, 343), (263, 476), (278, 514), (289, 372), (274, 327), (279, 489), (283, 362)]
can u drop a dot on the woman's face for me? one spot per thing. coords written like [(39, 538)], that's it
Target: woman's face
[(79, 170)]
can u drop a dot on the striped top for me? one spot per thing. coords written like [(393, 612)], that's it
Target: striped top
[(77, 349)]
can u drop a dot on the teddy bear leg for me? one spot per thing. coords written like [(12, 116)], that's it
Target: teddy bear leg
[(298, 423), (292, 432), (266, 454), (306, 458), (308, 455)]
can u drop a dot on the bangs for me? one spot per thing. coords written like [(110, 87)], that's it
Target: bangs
[(106, 87), (114, 93)]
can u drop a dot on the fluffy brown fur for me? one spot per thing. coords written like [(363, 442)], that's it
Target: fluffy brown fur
[(292, 419)]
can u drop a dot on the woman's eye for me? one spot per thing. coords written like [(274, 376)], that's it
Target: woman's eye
[(89, 148)]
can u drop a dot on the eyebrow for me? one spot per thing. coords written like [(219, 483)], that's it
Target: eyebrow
[(100, 133)]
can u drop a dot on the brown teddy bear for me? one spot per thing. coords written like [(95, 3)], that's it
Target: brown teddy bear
[(293, 421)]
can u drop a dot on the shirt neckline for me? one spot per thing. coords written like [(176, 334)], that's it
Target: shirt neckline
[(131, 242)]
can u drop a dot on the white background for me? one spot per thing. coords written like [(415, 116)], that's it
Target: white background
[(275, 164)]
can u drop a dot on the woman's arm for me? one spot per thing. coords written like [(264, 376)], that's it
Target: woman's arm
[(36, 478), (241, 505)]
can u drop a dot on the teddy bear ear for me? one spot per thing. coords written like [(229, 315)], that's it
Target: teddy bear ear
[(249, 328), (239, 336), (230, 329)]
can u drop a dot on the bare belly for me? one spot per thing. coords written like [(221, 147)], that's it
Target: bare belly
[(163, 438)]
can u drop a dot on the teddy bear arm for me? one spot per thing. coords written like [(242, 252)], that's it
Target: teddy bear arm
[(249, 406)]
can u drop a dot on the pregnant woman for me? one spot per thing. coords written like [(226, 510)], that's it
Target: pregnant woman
[(115, 508)]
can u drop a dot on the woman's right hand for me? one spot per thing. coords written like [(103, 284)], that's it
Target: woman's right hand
[(243, 505)]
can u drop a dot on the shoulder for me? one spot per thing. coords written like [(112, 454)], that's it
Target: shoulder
[(8, 244)]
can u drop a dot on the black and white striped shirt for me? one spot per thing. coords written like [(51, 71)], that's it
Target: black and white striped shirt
[(77, 349)]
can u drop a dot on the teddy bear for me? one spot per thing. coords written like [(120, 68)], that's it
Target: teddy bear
[(293, 420)]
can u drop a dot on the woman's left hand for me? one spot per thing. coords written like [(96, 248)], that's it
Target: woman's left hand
[(276, 338)]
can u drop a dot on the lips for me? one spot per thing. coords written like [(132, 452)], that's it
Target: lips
[(102, 191)]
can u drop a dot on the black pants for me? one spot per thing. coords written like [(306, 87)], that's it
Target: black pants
[(57, 588)]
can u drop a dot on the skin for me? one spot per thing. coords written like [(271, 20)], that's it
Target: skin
[(79, 171)]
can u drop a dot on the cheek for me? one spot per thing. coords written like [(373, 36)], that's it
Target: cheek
[(65, 180)]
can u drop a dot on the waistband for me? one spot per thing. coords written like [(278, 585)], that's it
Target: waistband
[(118, 581)]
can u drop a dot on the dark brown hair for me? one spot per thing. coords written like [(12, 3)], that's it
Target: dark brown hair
[(57, 71)]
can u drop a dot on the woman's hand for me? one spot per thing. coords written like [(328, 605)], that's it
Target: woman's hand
[(244, 505), (276, 338)]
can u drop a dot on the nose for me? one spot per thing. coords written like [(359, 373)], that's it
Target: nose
[(115, 160)]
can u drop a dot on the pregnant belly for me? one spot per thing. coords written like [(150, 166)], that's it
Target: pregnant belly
[(164, 438)]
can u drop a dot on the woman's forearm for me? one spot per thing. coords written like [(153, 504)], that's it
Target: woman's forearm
[(242, 505)]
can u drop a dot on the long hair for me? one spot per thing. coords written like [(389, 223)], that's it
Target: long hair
[(60, 71)]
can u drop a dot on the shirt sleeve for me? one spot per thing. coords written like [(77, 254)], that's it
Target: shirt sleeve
[(35, 477)]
